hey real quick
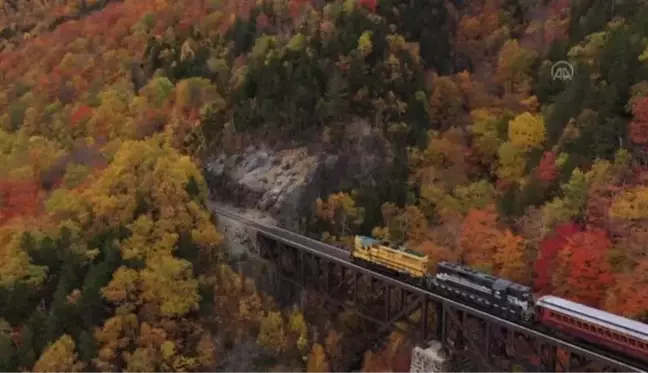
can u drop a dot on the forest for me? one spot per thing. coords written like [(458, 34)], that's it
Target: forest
[(110, 259)]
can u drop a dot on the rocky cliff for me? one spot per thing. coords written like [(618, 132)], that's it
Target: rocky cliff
[(285, 183)]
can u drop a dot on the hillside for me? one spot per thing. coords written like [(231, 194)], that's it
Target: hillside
[(429, 122)]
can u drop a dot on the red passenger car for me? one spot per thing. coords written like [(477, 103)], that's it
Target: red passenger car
[(626, 336)]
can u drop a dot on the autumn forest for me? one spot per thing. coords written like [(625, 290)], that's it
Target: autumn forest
[(110, 259)]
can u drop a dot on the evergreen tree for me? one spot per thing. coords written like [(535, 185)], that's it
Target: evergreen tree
[(92, 307), (8, 358), (87, 347), (334, 105), (63, 317), (26, 354)]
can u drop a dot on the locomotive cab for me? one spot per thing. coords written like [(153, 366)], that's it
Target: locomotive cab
[(499, 290), (515, 297), (522, 297)]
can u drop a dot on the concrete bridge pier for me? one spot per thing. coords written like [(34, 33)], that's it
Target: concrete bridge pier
[(431, 359)]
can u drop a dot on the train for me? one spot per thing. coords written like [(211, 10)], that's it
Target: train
[(505, 298)]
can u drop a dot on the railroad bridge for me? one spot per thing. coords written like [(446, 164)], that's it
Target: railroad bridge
[(495, 344)]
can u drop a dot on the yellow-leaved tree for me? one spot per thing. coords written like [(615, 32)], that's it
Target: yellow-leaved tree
[(59, 357), (485, 132), (272, 335), (527, 131), (340, 213), (159, 196), (512, 161), (298, 330)]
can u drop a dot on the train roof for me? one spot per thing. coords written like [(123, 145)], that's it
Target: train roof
[(520, 287), (500, 283), (368, 241), (467, 270), (609, 320)]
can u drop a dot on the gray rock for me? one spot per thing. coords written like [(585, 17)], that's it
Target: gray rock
[(286, 183)]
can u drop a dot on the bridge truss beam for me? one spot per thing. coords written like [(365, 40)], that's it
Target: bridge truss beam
[(495, 344)]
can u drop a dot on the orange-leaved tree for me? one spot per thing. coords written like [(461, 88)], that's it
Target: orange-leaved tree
[(510, 258), (629, 295), (480, 238)]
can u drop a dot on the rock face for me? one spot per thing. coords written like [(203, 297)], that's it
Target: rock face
[(260, 179), (239, 238), (285, 183)]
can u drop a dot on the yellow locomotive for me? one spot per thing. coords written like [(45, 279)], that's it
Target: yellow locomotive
[(369, 251)]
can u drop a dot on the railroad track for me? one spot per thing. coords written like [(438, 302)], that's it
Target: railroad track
[(339, 255)]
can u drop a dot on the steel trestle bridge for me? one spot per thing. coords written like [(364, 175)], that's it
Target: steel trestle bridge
[(494, 343)]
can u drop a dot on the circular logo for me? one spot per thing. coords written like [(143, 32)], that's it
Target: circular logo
[(562, 70)]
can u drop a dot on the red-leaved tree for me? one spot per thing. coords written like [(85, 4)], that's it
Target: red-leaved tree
[(18, 198), (639, 124), (546, 170), (83, 112), (547, 253), (369, 4), (583, 272)]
